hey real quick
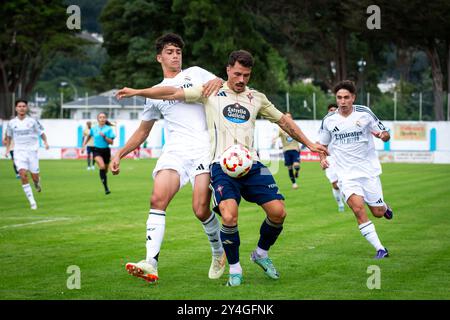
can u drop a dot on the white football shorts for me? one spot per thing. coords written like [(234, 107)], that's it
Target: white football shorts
[(27, 159), (188, 164), (331, 174), (369, 188)]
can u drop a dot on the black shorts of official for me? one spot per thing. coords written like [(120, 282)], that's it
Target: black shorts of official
[(105, 153), (290, 157), (90, 149)]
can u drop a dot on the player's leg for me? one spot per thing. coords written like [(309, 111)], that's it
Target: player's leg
[(338, 196), (201, 199), (166, 185), (374, 199), (296, 169), (11, 153), (34, 170), (366, 227), (88, 158), (226, 197), (229, 234), (288, 163), (269, 231), (260, 187), (103, 169), (91, 156), (21, 160)]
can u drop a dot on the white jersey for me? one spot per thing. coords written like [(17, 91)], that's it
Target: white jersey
[(186, 123), (25, 133), (350, 142)]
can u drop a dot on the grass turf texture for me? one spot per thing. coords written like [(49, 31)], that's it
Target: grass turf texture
[(319, 255)]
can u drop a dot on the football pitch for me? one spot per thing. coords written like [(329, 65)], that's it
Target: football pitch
[(319, 255)]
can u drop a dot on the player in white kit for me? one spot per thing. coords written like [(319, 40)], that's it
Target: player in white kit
[(348, 133), (331, 174), (185, 157), (25, 131)]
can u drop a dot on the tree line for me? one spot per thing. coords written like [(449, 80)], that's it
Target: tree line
[(290, 39)]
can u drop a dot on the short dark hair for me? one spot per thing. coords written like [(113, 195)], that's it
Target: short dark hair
[(345, 84), (332, 105), (168, 38), (245, 58), (21, 100)]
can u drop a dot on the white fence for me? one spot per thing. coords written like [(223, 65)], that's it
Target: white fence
[(411, 141)]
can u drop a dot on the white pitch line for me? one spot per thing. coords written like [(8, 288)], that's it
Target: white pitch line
[(31, 223)]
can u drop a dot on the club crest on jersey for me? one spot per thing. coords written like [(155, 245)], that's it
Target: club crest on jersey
[(250, 96), (236, 113), (219, 189)]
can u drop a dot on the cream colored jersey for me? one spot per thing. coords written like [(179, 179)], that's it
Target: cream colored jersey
[(87, 134), (288, 142), (231, 116)]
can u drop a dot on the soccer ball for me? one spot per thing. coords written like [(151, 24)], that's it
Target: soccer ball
[(236, 161)]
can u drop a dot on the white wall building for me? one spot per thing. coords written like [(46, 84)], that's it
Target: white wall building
[(87, 108)]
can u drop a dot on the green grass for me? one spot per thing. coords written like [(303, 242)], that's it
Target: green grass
[(320, 253)]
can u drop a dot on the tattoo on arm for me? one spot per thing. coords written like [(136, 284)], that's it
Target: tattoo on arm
[(292, 129)]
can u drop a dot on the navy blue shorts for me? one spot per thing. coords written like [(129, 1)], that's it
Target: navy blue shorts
[(290, 157), (257, 186)]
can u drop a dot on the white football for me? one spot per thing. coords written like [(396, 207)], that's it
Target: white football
[(236, 161)]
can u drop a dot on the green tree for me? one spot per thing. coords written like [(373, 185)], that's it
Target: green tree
[(30, 37), (130, 30), (414, 24)]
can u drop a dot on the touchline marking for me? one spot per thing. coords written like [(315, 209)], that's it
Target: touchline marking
[(31, 223)]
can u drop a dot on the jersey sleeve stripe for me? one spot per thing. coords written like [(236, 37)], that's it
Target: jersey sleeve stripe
[(323, 120)]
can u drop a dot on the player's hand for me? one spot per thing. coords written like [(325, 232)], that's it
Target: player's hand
[(114, 166), (125, 93), (46, 146), (316, 147), (383, 135), (324, 163), (212, 87)]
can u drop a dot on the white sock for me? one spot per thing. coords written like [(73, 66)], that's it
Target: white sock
[(235, 268), (156, 225), (338, 196), (261, 252), (368, 231), (212, 230), (28, 193)]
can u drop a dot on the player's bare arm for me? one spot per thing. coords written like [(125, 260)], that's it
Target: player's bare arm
[(212, 87), (44, 139), (323, 160), (161, 93), (289, 126), (109, 140), (138, 137), (8, 145), (383, 135)]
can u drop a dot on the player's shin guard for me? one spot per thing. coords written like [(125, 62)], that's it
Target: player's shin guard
[(28, 193), (230, 241), (291, 175), (269, 233), (104, 179), (297, 169), (156, 225), (212, 230), (338, 196), (368, 231)]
